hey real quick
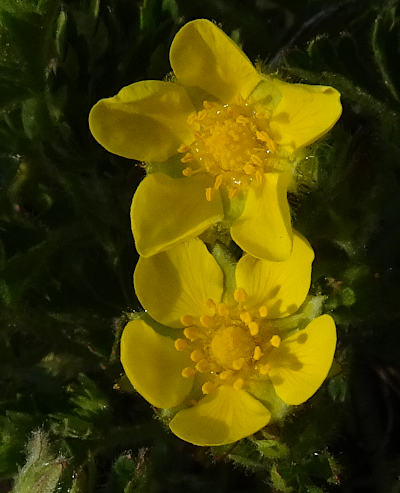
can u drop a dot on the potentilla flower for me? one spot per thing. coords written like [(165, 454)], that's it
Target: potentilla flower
[(231, 132), (230, 359)]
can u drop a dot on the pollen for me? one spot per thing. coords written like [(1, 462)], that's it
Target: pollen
[(196, 355), (227, 344), (275, 341), (240, 295), (188, 372), (208, 387), (180, 344), (232, 143)]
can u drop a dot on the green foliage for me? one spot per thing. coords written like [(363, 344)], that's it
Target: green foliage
[(67, 255)]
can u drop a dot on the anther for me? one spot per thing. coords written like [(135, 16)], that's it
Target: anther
[(187, 172), (183, 148), (206, 321), (242, 120), (209, 193), (258, 354), (233, 192), (238, 364), (264, 369), (240, 295), (218, 182), (180, 344), (187, 158), (207, 388), (256, 160), (263, 311), (188, 372), (249, 169), (254, 328), (191, 333), (202, 366), (259, 177), (275, 341), (186, 320), (223, 310), (245, 317), (196, 355), (238, 384), (224, 375)]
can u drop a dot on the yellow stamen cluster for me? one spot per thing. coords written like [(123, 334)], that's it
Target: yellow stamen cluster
[(228, 344), (231, 143)]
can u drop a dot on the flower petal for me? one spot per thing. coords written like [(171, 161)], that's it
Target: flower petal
[(153, 365), (281, 287), (264, 228), (144, 121), (225, 416), (178, 282), (304, 113), (303, 360), (203, 56), (166, 211)]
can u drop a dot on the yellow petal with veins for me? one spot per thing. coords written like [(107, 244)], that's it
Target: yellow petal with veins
[(304, 113), (302, 362), (264, 229), (203, 56), (166, 211), (224, 416), (153, 365), (146, 120), (178, 282), (280, 288)]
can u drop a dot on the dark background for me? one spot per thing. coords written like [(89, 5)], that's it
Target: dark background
[(67, 255)]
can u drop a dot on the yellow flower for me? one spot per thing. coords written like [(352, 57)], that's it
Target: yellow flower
[(231, 359), (230, 129)]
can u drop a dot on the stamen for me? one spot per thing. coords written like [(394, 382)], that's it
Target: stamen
[(233, 192), (188, 372), (240, 295), (202, 366), (275, 341), (238, 363), (256, 160), (242, 120), (187, 320), (238, 384), (209, 193), (187, 158), (257, 353), (218, 182), (245, 317), (210, 304), (249, 169), (191, 333), (264, 369), (196, 355), (259, 177), (183, 148), (208, 387), (206, 321), (180, 344), (263, 311), (224, 375), (254, 328), (188, 172), (223, 310)]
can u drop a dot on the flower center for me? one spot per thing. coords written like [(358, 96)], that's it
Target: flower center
[(228, 345), (231, 143), (231, 344)]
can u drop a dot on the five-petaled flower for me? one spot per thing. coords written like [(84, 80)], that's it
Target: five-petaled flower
[(230, 355), (232, 130)]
